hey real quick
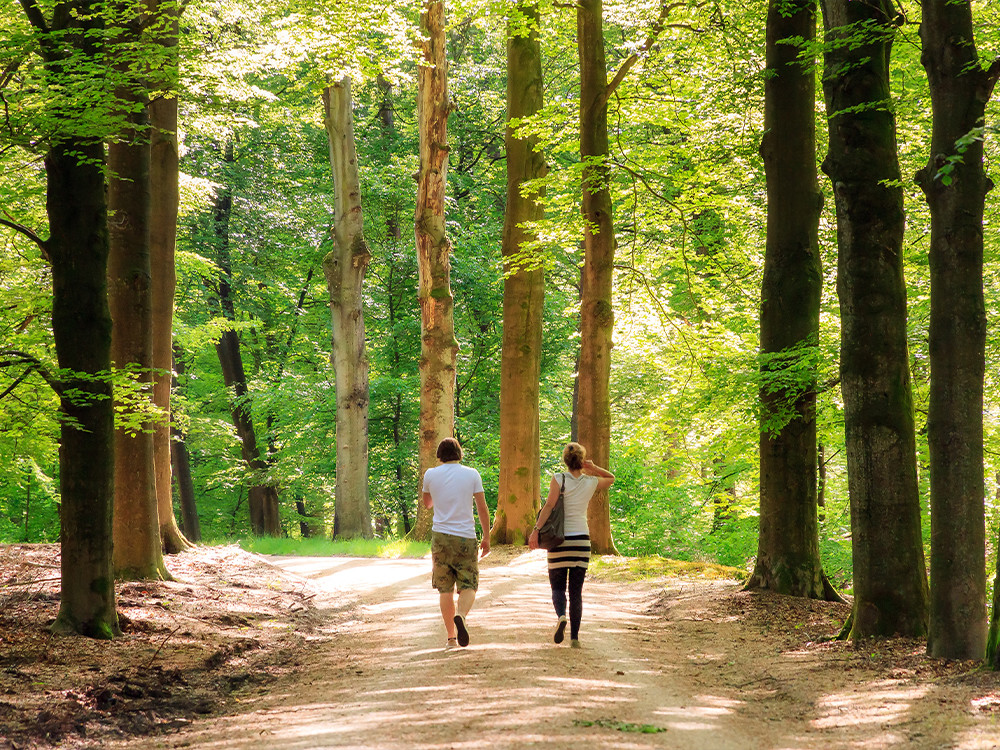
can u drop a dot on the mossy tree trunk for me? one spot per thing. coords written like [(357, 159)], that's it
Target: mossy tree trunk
[(523, 291), (345, 269), (77, 248), (890, 580), (81, 324), (438, 346), (788, 560), (955, 185)]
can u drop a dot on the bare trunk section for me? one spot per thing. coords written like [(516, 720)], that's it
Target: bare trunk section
[(788, 560), (262, 497), (955, 185), (438, 346), (163, 179), (890, 582), (523, 293), (81, 324), (181, 462), (597, 317), (345, 269), (137, 551)]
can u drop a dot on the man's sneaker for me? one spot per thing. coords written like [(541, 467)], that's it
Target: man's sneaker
[(560, 630), (463, 632), (450, 644), (574, 643)]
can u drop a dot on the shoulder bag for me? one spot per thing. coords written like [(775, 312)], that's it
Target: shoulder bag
[(552, 533)]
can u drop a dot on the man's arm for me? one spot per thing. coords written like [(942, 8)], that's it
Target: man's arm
[(428, 500), (484, 520)]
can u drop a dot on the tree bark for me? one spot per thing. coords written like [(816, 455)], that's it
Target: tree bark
[(438, 346), (788, 560), (890, 582), (345, 272), (81, 325), (163, 180), (955, 185), (523, 292), (262, 497), (181, 463), (78, 248), (137, 551), (597, 317)]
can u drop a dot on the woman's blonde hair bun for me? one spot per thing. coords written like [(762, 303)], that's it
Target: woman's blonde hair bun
[(574, 455)]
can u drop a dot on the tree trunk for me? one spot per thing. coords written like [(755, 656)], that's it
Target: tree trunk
[(597, 317), (262, 497), (890, 581), (523, 293), (955, 185), (77, 248), (81, 325), (438, 346), (345, 272), (181, 462), (137, 551), (788, 560), (163, 180)]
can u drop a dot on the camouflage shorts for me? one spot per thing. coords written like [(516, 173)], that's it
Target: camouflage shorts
[(456, 561)]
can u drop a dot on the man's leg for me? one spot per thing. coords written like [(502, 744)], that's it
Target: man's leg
[(466, 598), (448, 611)]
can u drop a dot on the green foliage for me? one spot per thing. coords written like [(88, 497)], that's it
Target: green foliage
[(620, 726)]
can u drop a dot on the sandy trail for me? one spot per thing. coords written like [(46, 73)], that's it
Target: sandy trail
[(385, 681)]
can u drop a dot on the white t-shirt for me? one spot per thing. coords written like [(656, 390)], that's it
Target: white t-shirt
[(576, 498), (452, 486)]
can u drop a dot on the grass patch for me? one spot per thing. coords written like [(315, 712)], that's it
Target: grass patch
[(620, 726), (391, 548), (615, 568)]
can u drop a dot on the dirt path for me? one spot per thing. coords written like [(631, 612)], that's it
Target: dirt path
[(695, 662)]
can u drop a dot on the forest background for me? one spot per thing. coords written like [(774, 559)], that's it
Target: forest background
[(689, 202)]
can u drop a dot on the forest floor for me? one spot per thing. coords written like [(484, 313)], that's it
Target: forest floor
[(242, 651)]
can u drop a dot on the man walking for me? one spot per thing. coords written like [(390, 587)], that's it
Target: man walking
[(451, 489)]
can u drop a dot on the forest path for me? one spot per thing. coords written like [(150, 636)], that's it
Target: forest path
[(699, 674)]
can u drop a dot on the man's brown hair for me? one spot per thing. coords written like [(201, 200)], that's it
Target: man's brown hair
[(449, 450)]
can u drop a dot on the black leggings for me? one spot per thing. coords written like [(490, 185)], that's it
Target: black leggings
[(557, 580)]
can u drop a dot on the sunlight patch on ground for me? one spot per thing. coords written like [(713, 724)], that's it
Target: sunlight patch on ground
[(884, 703)]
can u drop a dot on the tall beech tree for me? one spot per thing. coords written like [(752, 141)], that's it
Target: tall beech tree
[(137, 549), (955, 185), (263, 496), (180, 462), (788, 545), (597, 318), (523, 291), (345, 269), (439, 347), (890, 581), (591, 396), (71, 43), (164, 200)]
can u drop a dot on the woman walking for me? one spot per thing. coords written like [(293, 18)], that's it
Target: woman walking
[(568, 562)]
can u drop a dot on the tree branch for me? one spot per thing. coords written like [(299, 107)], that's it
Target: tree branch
[(29, 234), (34, 365), (34, 14), (990, 81), (658, 25)]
